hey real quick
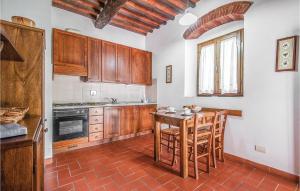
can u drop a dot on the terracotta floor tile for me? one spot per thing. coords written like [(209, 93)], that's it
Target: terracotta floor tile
[(128, 166), (67, 187), (267, 185), (81, 185)]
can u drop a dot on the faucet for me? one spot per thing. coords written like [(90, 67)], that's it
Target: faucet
[(113, 100)]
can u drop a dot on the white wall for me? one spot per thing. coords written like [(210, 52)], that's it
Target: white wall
[(48, 17), (269, 105)]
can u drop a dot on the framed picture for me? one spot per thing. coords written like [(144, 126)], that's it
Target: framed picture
[(169, 74), (286, 56)]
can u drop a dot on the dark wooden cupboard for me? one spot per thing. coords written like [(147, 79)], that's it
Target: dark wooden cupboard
[(69, 53), (141, 67), (94, 60), (109, 62), (22, 157), (123, 64), (111, 122)]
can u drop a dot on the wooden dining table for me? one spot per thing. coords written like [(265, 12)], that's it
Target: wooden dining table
[(184, 123), (178, 120)]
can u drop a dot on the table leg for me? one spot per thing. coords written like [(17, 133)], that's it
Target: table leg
[(183, 151), (157, 142)]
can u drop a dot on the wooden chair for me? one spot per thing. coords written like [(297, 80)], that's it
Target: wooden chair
[(200, 141), (168, 138), (218, 136)]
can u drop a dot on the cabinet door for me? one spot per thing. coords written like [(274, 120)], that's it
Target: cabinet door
[(69, 53), (38, 158), (141, 67), (109, 63), (123, 63), (94, 59), (129, 120), (145, 118), (111, 122)]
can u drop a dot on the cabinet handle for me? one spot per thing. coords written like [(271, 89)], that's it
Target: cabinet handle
[(46, 130)]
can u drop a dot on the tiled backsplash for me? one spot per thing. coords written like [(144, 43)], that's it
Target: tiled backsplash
[(68, 89)]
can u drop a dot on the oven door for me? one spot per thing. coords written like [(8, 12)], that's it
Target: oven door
[(69, 127)]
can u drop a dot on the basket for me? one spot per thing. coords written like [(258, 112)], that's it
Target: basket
[(12, 115)]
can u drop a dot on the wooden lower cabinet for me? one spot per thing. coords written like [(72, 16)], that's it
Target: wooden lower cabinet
[(22, 158), (111, 122), (129, 120), (126, 120), (145, 122)]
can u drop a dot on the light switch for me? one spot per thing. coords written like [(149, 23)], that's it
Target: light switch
[(93, 92)]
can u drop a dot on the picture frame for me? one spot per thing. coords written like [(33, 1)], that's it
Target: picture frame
[(169, 74), (287, 54)]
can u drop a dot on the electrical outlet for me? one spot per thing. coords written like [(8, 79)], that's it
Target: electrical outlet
[(93, 92), (260, 149)]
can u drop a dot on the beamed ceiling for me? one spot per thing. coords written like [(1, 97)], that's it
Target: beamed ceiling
[(139, 16)]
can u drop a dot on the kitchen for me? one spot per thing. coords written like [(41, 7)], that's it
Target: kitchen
[(102, 87)]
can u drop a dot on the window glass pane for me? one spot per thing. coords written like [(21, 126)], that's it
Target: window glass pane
[(206, 70), (228, 66)]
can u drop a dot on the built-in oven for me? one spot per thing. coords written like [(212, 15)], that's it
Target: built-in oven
[(70, 123)]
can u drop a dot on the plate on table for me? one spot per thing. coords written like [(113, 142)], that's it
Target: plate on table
[(185, 114), (170, 112)]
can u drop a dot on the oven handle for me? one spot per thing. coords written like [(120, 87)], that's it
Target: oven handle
[(85, 116)]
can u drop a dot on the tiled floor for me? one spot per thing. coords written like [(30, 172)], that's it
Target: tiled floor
[(128, 165)]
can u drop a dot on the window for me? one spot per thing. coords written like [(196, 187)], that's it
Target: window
[(220, 66)]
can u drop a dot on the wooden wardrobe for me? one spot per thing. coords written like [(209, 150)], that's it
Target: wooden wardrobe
[(22, 157)]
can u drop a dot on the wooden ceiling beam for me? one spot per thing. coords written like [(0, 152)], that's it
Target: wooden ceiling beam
[(91, 3), (133, 22), (154, 6), (139, 17), (139, 9), (69, 7), (126, 26), (110, 9), (84, 5), (176, 5)]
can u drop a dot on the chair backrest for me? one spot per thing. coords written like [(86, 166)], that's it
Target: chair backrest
[(203, 121), (220, 122)]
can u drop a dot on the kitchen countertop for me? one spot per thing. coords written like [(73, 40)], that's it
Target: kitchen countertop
[(32, 123), (91, 105)]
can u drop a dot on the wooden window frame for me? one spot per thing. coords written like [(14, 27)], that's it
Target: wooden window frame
[(217, 75)]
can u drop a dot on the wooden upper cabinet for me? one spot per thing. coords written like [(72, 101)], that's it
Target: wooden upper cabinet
[(129, 119), (109, 62), (123, 64), (111, 122), (94, 59), (99, 60), (69, 53), (141, 67), (145, 116)]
